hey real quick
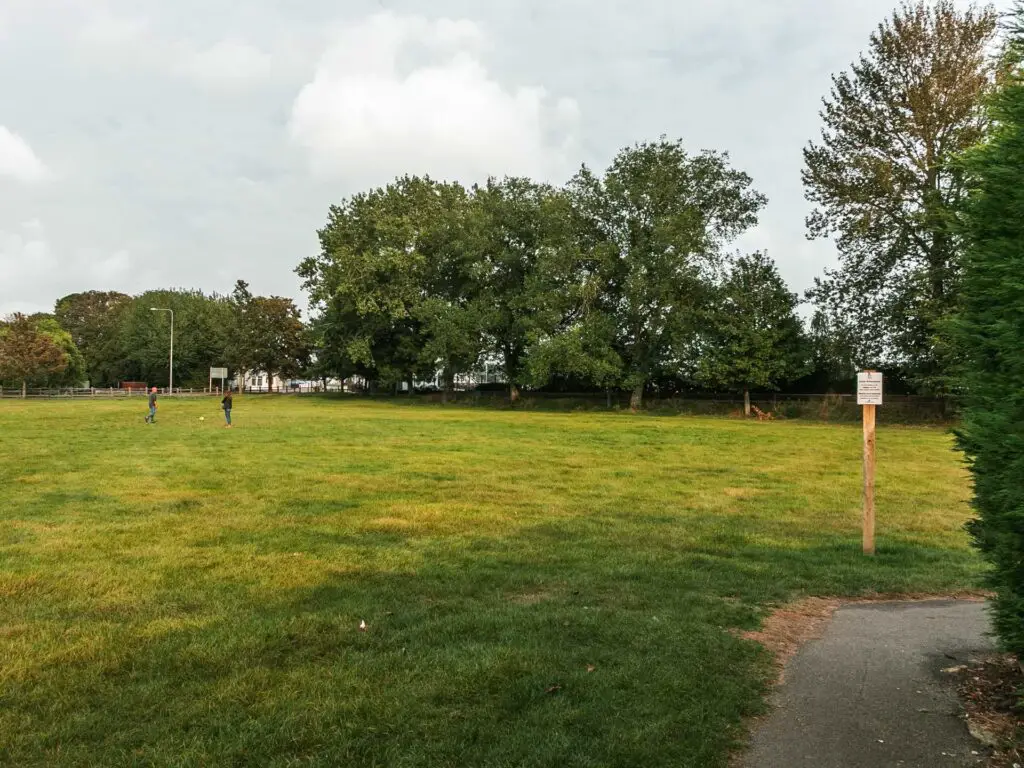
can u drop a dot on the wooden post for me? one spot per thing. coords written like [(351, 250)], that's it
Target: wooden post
[(870, 395), (869, 479)]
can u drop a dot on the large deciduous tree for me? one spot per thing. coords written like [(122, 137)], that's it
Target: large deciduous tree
[(27, 353), (267, 335), (75, 372), (988, 335), (754, 339), (885, 182), (240, 350), (523, 231), (452, 310), (656, 224), (282, 346), (397, 283), (93, 320), (366, 281)]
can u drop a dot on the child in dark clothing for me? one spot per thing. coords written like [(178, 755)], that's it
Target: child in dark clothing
[(151, 419), (226, 405)]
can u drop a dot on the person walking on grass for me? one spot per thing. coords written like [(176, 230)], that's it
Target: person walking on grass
[(151, 419), (226, 405)]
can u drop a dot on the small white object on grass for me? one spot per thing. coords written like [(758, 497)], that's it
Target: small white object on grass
[(362, 626), (202, 418)]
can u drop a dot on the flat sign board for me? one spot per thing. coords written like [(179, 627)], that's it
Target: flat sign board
[(218, 373), (869, 388)]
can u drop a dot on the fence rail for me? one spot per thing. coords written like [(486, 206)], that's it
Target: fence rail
[(76, 393)]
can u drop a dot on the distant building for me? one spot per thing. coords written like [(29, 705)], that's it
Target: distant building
[(257, 381)]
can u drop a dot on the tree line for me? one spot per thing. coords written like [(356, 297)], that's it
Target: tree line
[(616, 280), (104, 338)]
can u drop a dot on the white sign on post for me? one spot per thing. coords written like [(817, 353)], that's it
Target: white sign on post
[(218, 373), (869, 388)]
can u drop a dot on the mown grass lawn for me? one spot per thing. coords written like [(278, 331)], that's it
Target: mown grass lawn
[(539, 589)]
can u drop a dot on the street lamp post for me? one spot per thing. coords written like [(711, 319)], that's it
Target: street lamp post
[(171, 377)]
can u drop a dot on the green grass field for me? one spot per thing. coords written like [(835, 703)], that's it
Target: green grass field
[(539, 589)]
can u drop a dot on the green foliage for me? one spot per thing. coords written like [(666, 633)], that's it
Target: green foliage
[(75, 373), (121, 338), (605, 281), (282, 348), (450, 310), (94, 320), (30, 355), (885, 182), (202, 327), (754, 338), (989, 333), (656, 224), (584, 350), (833, 346), (396, 283), (524, 244), (266, 334)]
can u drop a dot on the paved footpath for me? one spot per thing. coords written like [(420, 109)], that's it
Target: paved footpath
[(871, 693)]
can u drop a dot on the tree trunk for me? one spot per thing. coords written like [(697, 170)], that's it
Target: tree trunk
[(746, 403), (636, 400), (449, 384), (24, 389), (512, 371), (397, 385), (608, 398)]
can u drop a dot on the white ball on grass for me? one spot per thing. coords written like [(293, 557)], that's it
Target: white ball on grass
[(202, 418)]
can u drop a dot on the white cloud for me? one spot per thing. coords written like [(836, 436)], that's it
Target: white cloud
[(25, 261), (18, 161), (230, 62), (226, 63), (404, 94), (107, 30), (36, 272)]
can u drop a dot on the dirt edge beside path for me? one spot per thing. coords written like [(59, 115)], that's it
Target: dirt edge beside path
[(788, 628)]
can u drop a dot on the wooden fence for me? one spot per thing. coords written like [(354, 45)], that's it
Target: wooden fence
[(112, 393)]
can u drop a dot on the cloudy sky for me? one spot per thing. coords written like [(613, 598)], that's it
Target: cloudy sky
[(148, 143)]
